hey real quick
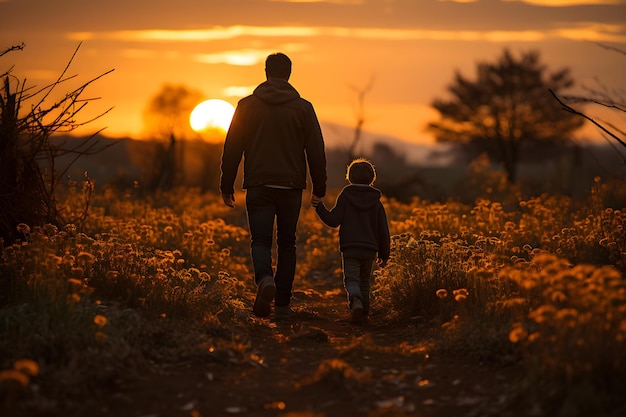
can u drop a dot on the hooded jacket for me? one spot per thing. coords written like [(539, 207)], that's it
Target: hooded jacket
[(277, 133), (361, 218)]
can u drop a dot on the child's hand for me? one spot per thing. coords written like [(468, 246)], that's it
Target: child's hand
[(315, 200), (381, 262)]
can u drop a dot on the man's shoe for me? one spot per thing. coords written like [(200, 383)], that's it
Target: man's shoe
[(264, 297), (282, 312), (358, 313)]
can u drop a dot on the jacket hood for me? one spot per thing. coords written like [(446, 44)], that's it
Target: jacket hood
[(363, 197), (276, 91)]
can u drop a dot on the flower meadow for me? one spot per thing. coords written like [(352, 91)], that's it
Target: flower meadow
[(137, 280)]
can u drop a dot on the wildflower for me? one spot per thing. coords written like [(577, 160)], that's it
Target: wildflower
[(23, 228), (100, 337), (460, 297), (542, 314), (558, 297), (100, 320), (442, 293), (86, 257), (50, 229), (27, 366), (73, 298), (14, 375), (77, 272), (517, 334)]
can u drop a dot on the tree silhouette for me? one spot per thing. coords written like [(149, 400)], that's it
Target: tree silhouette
[(507, 112), (167, 112), (166, 122)]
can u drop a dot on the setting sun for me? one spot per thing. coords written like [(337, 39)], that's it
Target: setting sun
[(211, 114)]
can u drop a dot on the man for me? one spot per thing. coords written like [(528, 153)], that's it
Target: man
[(277, 133)]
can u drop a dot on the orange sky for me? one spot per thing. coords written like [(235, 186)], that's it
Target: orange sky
[(407, 49)]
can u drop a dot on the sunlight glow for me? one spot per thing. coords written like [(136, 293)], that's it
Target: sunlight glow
[(211, 114), (247, 57), (238, 90)]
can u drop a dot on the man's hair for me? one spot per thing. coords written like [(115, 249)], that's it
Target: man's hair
[(278, 65), (361, 171)]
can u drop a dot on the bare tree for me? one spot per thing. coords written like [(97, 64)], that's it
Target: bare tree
[(360, 118), (29, 175)]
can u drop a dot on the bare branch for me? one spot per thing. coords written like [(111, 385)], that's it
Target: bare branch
[(19, 47), (574, 111)]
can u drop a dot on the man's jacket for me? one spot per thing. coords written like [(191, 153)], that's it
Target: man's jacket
[(276, 132)]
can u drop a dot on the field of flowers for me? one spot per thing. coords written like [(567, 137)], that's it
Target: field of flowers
[(138, 280)]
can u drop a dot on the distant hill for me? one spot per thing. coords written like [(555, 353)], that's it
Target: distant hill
[(409, 169)]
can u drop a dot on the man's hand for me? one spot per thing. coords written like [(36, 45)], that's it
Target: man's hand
[(315, 200), (229, 200)]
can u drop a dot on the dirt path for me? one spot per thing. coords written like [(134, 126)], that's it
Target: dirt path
[(316, 364)]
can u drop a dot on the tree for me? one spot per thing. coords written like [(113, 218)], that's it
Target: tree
[(507, 111), (167, 112), (166, 121)]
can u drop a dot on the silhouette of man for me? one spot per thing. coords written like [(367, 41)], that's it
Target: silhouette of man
[(277, 133)]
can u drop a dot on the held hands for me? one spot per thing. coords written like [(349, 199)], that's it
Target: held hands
[(229, 200), (315, 200)]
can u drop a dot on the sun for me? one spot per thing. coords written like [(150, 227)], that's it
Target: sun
[(211, 114)]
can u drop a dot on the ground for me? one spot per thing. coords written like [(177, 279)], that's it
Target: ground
[(314, 364)]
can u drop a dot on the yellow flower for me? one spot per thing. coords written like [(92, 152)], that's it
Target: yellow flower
[(100, 320), (461, 291), (101, 337), (23, 228), (86, 257), (27, 366), (442, 293), (75, 282), (518, 334), (460, 297), (14, 375)]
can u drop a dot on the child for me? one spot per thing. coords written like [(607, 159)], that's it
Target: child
[(363, 232)]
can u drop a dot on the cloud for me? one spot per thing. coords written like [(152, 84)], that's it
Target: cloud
[(351, 2), (201, 35), (565, 3), (580, 31)]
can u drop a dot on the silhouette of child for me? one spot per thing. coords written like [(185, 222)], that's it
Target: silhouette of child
[(363, 233)]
